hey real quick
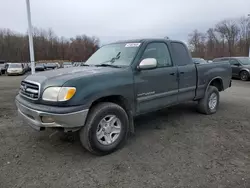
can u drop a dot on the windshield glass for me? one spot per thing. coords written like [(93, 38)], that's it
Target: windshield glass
[(244, 60), (15, 65), (120, 54)]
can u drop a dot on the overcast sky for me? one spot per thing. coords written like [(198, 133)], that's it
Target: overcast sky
[(112, 20)]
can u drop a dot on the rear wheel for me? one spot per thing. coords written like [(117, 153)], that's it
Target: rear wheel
[(244, 75), (210, 102), (106, 129)]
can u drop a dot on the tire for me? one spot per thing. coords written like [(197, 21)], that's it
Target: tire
[(204, 106), (244, 75), (88, 133)]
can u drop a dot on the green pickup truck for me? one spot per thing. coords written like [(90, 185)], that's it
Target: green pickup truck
[(118, 82)]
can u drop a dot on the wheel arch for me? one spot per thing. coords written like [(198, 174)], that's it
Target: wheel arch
[(216, 82), (121, 101), (244, 69), (117, 99)]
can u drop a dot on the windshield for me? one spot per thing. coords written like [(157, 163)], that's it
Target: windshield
[(244, 60), (15, 65), (120, 54)]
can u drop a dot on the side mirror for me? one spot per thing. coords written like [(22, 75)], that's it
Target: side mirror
[(148, 63)]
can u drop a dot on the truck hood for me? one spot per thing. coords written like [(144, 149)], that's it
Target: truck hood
[(59, 76)]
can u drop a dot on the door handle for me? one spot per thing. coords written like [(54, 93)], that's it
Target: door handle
[(181, 72), (172, 73)]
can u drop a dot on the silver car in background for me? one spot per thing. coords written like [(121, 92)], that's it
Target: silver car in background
[(67, 64), (15, 69)]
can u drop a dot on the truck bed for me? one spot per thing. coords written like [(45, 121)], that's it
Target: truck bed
[(209, 71)]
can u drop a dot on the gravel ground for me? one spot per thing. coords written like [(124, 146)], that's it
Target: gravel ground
[(175, 147)]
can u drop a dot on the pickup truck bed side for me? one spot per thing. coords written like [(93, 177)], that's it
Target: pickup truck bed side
[(207, 73)]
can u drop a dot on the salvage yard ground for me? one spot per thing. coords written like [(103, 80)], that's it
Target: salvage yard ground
[(175, 147)]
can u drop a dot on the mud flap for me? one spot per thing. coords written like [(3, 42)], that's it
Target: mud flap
[(131, 123)]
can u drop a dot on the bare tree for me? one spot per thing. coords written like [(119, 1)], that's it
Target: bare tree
[(229, 30), (227, 38), (196, 42), (244, 35), (47, 45)]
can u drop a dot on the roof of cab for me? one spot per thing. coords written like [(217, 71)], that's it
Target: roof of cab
[(144, 40)]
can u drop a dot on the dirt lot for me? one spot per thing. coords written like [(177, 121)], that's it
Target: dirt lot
[(176, 147)]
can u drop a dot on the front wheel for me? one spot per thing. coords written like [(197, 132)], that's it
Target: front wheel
[(244, 75), (106, 129), (210, 102)]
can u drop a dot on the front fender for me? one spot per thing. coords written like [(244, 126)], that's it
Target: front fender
[(93, 88)]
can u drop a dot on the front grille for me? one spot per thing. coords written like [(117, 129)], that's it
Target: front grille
[(29, 90)]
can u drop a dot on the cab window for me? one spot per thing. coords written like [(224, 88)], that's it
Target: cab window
[(160, 52)]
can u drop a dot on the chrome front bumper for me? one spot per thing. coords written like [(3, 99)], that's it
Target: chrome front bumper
[(14, 73), (68, 121)]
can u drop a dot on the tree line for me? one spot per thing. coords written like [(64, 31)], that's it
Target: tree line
[(230, 37), (14, 47)]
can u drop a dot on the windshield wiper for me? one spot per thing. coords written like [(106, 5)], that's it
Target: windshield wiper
[(107, 65), (112, 60)]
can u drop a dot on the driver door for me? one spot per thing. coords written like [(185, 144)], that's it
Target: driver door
[(156, 88)]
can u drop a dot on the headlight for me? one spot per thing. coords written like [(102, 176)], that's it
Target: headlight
[(58, 93)]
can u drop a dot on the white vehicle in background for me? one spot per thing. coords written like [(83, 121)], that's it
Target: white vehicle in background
[(58, 66), (15, 69), (199, 61), (67, 64)]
